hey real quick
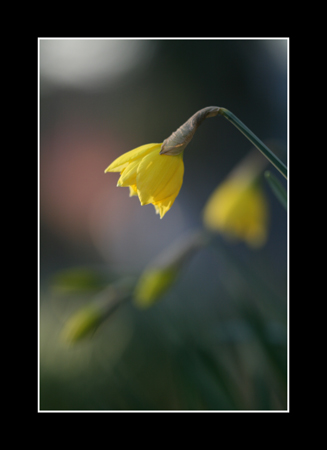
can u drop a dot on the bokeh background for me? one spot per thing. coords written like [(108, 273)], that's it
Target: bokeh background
[(218, 339)]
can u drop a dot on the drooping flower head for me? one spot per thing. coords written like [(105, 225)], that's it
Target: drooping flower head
[(155, 178), (154, 172), (238, 207)]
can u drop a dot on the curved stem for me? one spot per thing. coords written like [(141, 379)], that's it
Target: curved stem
[(277, 188), (255, 141)]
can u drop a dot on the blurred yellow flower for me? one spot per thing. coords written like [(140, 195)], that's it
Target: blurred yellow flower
[(156, 178), (238, 208)]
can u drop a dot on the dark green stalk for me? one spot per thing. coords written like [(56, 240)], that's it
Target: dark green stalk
[(255, 141)]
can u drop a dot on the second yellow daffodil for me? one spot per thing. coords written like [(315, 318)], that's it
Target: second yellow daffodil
[(238, 208), (155, 178)]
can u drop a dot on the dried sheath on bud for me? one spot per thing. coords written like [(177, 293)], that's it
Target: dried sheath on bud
[(178, 140)]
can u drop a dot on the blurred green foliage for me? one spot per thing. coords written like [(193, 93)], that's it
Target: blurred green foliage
[(164, 359), (78, 279)]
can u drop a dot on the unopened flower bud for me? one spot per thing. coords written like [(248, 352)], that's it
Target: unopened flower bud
[(83, 323), (164, 270), (86, 321)]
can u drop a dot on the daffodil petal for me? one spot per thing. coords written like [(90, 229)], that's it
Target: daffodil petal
[(159, 178), (128, 175), (163, 206), (122, 161), (132, 190)]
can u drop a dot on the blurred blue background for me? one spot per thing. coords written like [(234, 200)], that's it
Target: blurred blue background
[(217, 341)]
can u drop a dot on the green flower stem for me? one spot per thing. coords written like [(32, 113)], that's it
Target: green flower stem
[(277, 188), (255, 140)]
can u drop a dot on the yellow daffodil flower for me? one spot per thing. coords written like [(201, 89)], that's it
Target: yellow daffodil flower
[(156, 178), (238, 207), (155, 172)]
